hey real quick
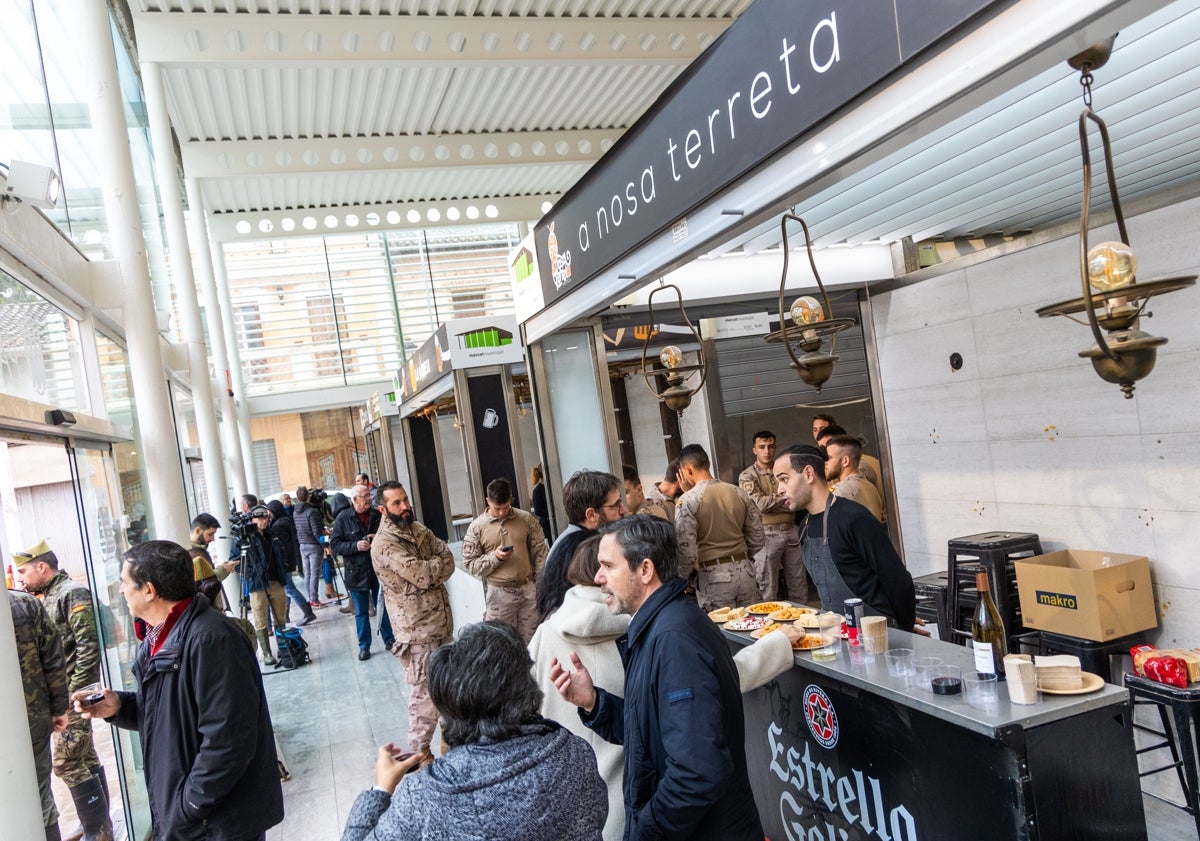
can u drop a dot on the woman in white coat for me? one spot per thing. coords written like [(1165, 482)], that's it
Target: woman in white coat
[(585, 626)]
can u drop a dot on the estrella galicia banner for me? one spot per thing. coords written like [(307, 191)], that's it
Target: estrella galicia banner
[(780, 69), (489, 417)]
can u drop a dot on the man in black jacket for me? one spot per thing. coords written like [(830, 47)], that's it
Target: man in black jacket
[(199, 709), (350, 538), (310, 528), (682, 728)]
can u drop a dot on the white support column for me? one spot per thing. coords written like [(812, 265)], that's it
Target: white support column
[(236, 378), (19, 800), (110, 138), (234, 457), (185, 287)]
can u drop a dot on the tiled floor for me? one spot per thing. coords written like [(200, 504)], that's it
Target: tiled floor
[(331, 715)]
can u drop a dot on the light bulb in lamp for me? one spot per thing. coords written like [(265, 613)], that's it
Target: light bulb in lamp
[(671, 357), (1111, 265), (807, 310)]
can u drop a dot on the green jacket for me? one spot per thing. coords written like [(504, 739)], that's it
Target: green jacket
[(69, 604), (43, 669)]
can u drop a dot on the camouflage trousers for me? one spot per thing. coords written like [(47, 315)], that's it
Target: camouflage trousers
[(75, 759), (726, 585), (41, 764), (422, 716), (515, 605), (781, 549)]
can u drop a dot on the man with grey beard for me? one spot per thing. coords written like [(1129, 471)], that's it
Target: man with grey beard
[(413, 566)]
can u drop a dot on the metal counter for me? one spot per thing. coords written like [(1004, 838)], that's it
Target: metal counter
[(839, 751)]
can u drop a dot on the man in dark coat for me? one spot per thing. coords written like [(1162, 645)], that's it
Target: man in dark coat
[(263, 575), (351, 538), (199, 709), (310, 528), (681, 683)]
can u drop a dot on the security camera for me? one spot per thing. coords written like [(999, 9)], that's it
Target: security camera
[(32, 184)]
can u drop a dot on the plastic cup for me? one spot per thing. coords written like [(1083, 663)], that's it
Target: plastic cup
[(980, 689), (923, 672), (93, 693), (829, 626), (899, 662), (946, 679)]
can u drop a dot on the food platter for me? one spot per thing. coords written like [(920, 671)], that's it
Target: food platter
[(767, 629), (808, 642), (764, 608), (727, 614), (790, 614), (810, 620), (749, 623)]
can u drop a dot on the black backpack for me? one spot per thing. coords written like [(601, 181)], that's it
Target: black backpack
[(293, 650)]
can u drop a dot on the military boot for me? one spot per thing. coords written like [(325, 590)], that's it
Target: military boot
[(92, 807), (264, 642)]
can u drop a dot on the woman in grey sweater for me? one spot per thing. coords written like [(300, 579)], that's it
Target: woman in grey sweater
[(509, 773)]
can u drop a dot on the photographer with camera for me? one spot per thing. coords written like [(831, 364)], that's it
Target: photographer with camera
[(353, 531), (263, 572)]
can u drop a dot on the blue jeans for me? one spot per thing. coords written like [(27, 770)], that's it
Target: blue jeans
[(289, 587), (362, 620)]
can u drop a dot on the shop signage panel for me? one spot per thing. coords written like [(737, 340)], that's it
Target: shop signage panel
[(732, 326), (526, 280), (831, 762), (462, 343), (780, 69), (489, 418)]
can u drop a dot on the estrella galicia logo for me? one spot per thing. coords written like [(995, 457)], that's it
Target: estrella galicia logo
[(820, 715), (1066, 600)]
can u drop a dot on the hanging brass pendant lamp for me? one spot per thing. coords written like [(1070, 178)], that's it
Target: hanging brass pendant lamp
[(1112, 297), (812, 320), (677, 395)]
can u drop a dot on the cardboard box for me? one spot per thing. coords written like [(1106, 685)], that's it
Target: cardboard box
[(1074, 593)]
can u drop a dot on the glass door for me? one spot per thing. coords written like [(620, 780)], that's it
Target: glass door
[(98, 499)]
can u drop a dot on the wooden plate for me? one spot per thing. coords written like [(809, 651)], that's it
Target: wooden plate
[(809, 620), (1091, 683)]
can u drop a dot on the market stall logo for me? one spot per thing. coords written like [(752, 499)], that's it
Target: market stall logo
[(820, 715), (560, 262)]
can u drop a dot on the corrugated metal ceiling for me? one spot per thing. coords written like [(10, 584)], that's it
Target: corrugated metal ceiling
[(1009, 165)]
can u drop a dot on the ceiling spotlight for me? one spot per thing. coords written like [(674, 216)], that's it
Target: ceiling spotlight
[(1112, 300), (32, 184)]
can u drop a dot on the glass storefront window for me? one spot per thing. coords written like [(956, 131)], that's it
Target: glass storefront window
[(117, 387), (575, 401), (39, 349)]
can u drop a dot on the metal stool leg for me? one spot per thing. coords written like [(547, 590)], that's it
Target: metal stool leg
[(1185, 732)]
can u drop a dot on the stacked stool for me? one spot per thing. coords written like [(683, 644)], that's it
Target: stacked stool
[(931, 602), (1180, 734), (995, 552)]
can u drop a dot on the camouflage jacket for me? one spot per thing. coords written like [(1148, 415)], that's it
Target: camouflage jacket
[(413, 565), (518, 529), (725, 524), (43, 669), (69, 604), (656, 497)]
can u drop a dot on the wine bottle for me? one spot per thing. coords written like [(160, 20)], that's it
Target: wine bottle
[(987, 631)]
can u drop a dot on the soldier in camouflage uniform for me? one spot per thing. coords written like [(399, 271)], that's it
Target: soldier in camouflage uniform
[(781, 539), (69, 605), (638, 503), (44, 673), (504, 546), (413, 566), (718, 529)]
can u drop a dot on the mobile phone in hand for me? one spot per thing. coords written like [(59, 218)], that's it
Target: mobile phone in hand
[(400, 756)]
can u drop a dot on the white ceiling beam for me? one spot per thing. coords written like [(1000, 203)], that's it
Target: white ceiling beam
[(234, 38), (365, 218), (236, 158)]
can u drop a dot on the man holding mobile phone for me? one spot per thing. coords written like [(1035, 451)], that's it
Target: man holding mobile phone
[(505, 548)]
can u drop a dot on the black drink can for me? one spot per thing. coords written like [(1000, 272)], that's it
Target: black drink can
[(854, 610)]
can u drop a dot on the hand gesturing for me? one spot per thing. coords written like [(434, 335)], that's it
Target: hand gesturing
[(575, 687)]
